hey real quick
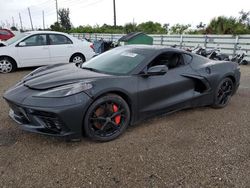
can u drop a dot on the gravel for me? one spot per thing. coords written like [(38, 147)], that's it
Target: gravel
[(200, 147)]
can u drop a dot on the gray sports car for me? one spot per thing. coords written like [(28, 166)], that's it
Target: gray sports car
[(120, 87)]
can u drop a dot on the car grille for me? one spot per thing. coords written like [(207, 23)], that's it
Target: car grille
[(20, 114), (49, 120), (32, 117)]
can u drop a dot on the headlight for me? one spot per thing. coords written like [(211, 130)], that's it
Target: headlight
[(66, 90)]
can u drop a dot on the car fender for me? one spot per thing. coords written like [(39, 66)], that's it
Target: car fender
[(10, 51), (122, 93)]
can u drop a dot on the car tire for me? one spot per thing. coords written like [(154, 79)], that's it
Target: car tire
[(244, 62), (7, 65), (223, 93), (78, 59), (107, 118)]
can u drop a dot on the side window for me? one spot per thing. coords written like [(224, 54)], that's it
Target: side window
[(171, 60), (187, 58), (59, 39), (4, 33), (35, 40)]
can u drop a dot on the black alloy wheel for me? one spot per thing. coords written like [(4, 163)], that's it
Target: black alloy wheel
[(223, 93), (107, 118)]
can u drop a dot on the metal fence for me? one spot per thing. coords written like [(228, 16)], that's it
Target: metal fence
[(229, 44)]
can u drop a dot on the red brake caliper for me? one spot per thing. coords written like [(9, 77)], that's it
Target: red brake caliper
[(118, 117)]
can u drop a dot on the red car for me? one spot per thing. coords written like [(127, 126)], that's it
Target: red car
[(5, 34)]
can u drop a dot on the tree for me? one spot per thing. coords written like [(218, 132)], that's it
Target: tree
[(64, 19), (166, 27), (179, 28), (244, 17), (226, 25), (151, 27), (56, 27), (13, 28), (130, 27), (64, 24), (218, 25)]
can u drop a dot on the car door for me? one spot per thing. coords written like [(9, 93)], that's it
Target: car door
[(168, 92), (33, 51), (61, 48)]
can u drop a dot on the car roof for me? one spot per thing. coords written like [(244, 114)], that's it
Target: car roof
[(4, 29), (153, 48), (45, 32)]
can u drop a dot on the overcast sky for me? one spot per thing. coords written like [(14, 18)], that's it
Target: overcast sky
[(92, 12)]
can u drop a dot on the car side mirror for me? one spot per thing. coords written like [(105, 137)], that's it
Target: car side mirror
[(157, 70), (22, 44)]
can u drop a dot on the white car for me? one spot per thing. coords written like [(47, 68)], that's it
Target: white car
[(39, 48)]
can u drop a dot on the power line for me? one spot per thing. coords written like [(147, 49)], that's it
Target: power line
[(83, 4), (48, 9)]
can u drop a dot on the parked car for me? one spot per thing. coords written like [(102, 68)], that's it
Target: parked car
[(119, 87), (39, 48), (5, 34)]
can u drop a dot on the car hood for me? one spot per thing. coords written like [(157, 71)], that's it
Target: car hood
[(58, 75)]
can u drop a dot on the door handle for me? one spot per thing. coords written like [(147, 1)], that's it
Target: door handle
[(45, 47)]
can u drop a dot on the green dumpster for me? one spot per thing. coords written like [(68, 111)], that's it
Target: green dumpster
[(136, 38)]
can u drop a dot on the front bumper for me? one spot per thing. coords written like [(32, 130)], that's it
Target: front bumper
[(49, 116)]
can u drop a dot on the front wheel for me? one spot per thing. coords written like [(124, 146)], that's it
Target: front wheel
[(107, 118), (223, 93), (7, 65)]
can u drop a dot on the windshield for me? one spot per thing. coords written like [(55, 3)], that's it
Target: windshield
[(119, 61), (15, 38)]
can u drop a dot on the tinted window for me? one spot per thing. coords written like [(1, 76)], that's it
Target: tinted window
[(4, 33), (117, 61), (171, 60), (59, 39), (35, 40)]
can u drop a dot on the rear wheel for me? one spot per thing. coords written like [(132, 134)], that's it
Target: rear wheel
[(244, 62), (7, 65), (78, 59), (107, 118), (223, 93)]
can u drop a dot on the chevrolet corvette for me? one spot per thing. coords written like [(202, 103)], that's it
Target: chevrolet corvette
[(123, 86)]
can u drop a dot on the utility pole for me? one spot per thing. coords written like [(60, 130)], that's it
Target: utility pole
[(30, 20), (43, 22), (21, 23), (2, 24), (134, 24), (57, 12), (7, 24), (114, 13), (13, 22)]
